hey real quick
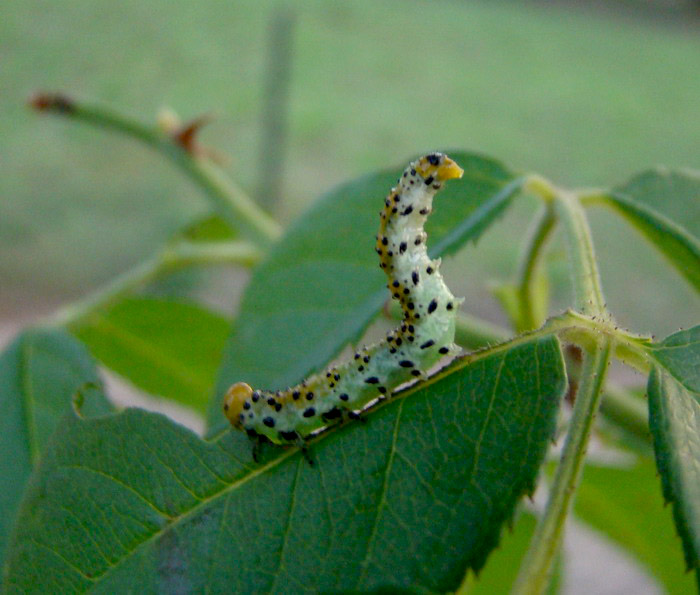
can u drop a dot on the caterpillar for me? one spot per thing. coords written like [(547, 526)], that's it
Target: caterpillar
[(423, 338)]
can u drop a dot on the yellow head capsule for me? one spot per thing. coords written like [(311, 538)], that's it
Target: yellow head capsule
[(234, 401)]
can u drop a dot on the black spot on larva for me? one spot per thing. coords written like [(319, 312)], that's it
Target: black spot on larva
[(309, 412), (394, 210), (392, 350), (433, 159), (411, 339), (336, 377), (271, 402), (387, 202), (246, 405), (361, 369), (429, 180), (427, 344), (402, 247), (398, 341), (241, 418), (252, 433), (357, 356), (334, 413), (366, 359), (382, 389), (416, 277), (328, 374), (406, 291), (256, 397), (449, 306), (413, 172), (410, 328), (295, 395), (418, 241), (396, 283), (309, 396), (432, 306), (278, 407), (406, 363), (424, 211), (408, 210), (397, 198), (384, 241), (372, 380), (269, 422), (437, 186), (444, 350), (389, 338), (405, 174), (390, 253), (416, 372), (289, 436), (343, 397), (429, 270), (411, 305)]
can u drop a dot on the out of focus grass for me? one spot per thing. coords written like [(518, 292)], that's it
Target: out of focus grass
[(581, 97)]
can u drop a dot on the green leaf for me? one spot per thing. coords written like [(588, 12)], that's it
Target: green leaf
[(664, 206), (673, 193), (680, 355), (39, 374), (409, 499), (674, 419), (624, 504), (321, 286), (501, 569), (167, 348)]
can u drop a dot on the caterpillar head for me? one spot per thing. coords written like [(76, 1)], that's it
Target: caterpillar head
[(235, 399), (438, 166)]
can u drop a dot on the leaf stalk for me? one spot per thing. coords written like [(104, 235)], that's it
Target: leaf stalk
[(538, 563)]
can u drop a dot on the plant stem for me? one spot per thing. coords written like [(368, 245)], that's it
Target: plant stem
[(584, 270), (169, 260), (536, 567), (226, 198), (532, 259)]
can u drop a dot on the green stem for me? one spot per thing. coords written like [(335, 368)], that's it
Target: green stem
[(537, 565), (584, 270), (531, 263), (169, 260), (226, 198)]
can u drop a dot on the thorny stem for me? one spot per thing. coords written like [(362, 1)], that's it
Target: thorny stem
[(536, 568), (226, 198), (169, 260)]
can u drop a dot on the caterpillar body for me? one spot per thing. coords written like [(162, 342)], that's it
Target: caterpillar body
[(425, 335)]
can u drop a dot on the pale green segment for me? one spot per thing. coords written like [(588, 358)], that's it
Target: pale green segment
[(424, 337)]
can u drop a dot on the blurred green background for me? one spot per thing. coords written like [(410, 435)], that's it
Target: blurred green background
[(583, 93)]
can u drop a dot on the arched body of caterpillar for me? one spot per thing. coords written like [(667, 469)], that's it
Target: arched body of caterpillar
[(425, 335)]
